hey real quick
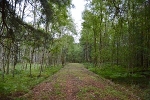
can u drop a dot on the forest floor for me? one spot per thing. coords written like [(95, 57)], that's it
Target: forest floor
[(74, 82)]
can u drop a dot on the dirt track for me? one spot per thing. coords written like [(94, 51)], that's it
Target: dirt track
[(74, 82)]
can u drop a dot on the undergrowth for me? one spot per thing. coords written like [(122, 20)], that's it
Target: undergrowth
[(22, 82), (132, 78)]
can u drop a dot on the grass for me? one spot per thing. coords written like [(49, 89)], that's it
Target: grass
[(22, 83), (92, 93), (138, 80)]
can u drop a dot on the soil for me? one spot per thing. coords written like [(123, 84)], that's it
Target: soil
[(75, 82)]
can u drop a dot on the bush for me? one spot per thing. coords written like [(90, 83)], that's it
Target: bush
[(121, 75), (22, 82), (147, 93)]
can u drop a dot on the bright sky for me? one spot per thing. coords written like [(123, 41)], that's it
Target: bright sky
[(77, 15)]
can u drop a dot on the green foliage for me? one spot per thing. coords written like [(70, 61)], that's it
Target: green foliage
[(109, 71), (98, 93), (74, 53), (22, 82), (113, 72), (147, 93), (26, 59), (128, 77), (116, 32)]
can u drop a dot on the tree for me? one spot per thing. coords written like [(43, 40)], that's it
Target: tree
[(117, 32), (20, 40)]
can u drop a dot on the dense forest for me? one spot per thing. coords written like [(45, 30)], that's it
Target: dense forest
[(115, 33), (35, 35), (45, 40)]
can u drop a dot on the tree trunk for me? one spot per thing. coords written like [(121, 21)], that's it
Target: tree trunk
[(31, 60), (95, 51), (42, 61), (8, 60), (3, 63), (15, 57)]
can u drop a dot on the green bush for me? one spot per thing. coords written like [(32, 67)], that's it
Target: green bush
[(147, 92), (131, 77), (22, 82)]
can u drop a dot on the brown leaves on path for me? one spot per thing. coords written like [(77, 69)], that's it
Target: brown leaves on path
[(74, 82)]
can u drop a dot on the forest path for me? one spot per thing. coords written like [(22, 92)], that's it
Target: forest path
[(74, 82)]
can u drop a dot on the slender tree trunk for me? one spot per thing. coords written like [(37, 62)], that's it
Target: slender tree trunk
[(31, 60), (42, 61), (3, 63), (95, 50), (100, 36), (15, 53), (8, 61), (14, 67), (24, 7), (86, 51), (117, 50)]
